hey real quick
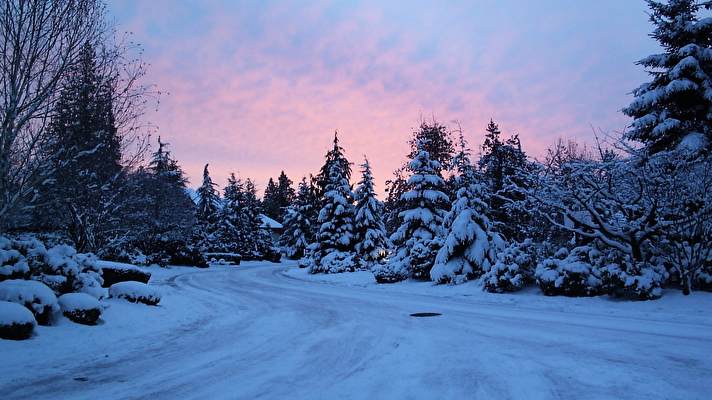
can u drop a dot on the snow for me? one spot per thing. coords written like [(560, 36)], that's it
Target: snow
[(275, 331), (132, 290), (78, 301), (33, 292), (13, 313), (269, 223)]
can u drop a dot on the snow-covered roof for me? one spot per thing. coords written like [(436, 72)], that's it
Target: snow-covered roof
[(268, 222)]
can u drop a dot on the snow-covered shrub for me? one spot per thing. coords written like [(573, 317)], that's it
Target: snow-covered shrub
[(16, 321), (80, 308), (13, 264), (571, 273), (222, 259), (67, 271), (176, 252), (390, 272), (640, 281), (514, 268), (335, 262), (121, 273), (36, 296), (703, 279), (135, 292)]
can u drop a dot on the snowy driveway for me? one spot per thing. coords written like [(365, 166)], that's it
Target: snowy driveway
[(256, 332)]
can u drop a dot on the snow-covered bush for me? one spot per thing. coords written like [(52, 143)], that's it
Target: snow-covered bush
[(389, 272), (176, 252), (639, 281), (514, 268), (135, 292), (16, 321), (36, 296), (703, 279), (123, 272), (13, 264), (335, 262), (80, 308), (67, 271), (571, 273)]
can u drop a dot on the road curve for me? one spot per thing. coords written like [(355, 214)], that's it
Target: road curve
[(254, 332)]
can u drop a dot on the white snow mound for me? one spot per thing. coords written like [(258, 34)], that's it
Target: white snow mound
[(13, 313), (77, 302)]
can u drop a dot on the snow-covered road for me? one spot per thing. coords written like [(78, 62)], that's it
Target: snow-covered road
[(256, 332)]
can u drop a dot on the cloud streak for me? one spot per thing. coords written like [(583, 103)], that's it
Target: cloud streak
[(257, 87)]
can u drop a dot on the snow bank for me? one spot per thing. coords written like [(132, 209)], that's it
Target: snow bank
[(36, 296), (135, 292), (16, 321)]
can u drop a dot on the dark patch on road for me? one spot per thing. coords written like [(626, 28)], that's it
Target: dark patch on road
[(425, 314)]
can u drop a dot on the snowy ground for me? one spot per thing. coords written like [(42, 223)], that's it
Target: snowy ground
[(273, 331)]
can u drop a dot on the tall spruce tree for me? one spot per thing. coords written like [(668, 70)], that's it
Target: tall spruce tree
[(298, 223), (208, 200), (229, 226), (335, 155), (333, 250), (505, 171), (437, 140), (86, 149), (270, 200), (469, 247), (425, 205), (675, 107), (371, 240)]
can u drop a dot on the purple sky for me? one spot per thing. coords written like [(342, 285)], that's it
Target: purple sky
[(258, 86)]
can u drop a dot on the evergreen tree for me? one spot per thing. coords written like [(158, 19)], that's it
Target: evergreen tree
[(298, 230), (371, 241), (437, 141), (425, 205), (335, 155), (230, 228), (270, 200), (333, 251), (86, 151), (469, 247), (675, 107), (208, 201), (505, 171), (285, 193), (393, 205)]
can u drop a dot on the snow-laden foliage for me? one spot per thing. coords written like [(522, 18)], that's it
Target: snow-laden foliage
[(371, 240), (570, 273), (207, 211), (277, 197), (16, 321), (421, 222), (336, 218), (80, 308), (116, 273), (298, 229), (469, 247), (135, 292), (506, 173), (674, 109), (36, 296), (513, 270), (60, 267), (622, 278)]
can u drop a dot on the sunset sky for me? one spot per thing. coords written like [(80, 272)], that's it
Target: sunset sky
[(258, 86)]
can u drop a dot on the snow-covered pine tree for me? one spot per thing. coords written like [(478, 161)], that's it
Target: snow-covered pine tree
[(335, 155), (675, 107), (425, 205), (208, 200), (83, 142), (253, 244), (506, 171), (437, 140), (371, 240), (230, 230), (333, 251), (270, 200), (298, 230), (469, 246)]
